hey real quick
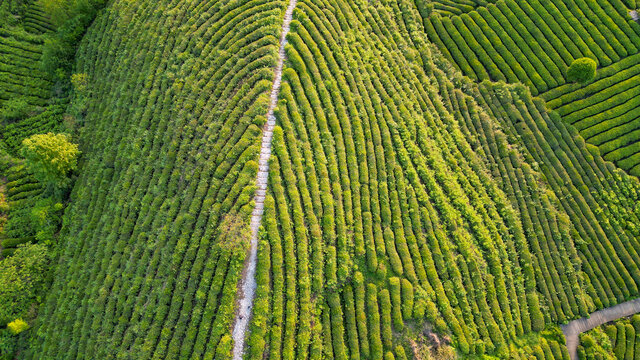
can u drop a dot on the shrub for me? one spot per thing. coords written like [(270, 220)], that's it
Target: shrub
[(224, 348), (14, 109), (407, 299), (234, 235), (396, 302), (17, 326), (46, 216), (80, 82), (22, 277), (582, 70)]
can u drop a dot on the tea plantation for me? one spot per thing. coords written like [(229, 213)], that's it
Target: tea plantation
[(439, 184), (618, 340), (535, 42)]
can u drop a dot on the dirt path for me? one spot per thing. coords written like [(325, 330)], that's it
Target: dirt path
[(247, 286), (573, 329)]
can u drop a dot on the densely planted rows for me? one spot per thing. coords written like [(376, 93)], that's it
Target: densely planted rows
[(619, 340), (36, 20), (20, 74), (598, 199), (393, 198), (606, 111), (547, 230), (371, 171), (13, 8), (152, 241), (22, 192), (534, 42), (453, 7), (28, 89)]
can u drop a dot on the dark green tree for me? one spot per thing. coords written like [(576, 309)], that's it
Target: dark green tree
[(582, 70)]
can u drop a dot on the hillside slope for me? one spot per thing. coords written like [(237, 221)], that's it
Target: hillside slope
[(396, 197), (151, 245), (407, 206)]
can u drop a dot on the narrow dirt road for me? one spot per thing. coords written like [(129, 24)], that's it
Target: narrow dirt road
[(573, 329), (247, 286)]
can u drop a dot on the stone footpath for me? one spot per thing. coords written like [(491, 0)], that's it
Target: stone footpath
[(247, 286)]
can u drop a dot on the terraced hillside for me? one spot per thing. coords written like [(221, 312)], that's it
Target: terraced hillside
[(27, 107), (153, 241), (20, 74), (374, 172), (534, 43), (411, 211), (36, 20)]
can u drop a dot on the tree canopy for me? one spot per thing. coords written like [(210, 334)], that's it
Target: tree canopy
[(582, 70), (50, 157), (21, 278)]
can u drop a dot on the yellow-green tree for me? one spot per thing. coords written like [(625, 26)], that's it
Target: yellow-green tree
[(51, 157)]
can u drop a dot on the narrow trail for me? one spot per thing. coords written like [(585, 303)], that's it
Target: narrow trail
[(573, 329), (247, 286)]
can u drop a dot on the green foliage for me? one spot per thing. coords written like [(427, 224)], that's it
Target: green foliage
[(79, 82), (46, 217), (582, 70), (22, 279), (234, 235), (225, 346), (4, 207), (596, 344), (51, 157), (14, 109), (391, 165), (533, 42), (400, 193), (163, 201), (57, 9), (73, 18), (8, 344)]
